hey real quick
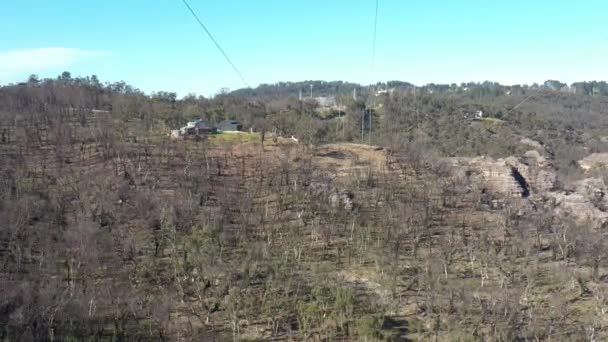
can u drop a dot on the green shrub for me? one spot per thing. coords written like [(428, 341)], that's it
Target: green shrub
[(370, 326)]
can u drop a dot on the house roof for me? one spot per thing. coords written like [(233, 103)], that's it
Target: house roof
[(231, 122), (229, 125)]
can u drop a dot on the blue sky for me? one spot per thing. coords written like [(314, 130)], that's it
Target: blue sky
[(157, 45)]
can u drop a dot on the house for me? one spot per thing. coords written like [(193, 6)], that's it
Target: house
[(229, 126), (381, 92), (193, 128), (478, 115), (200, 126)]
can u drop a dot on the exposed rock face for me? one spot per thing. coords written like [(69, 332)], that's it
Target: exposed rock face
[(594, 190), (532, 143), (533, 176), (535, 158), (536, 170), (521, 180), (494, 175), (594, 161), (510, 176), (578, 207)]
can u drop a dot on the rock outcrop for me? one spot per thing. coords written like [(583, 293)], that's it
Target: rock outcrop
[(533, 177), (511, 176), (578, 207), (531, 143), (594, 161)]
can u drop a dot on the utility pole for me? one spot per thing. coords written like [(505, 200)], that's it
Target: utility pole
[(300, 96), (311, 90), (362, 125), (339, 115), (369, 114), (343, 119), (355, 94)]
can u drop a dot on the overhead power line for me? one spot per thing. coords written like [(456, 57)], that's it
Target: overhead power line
[(374, 43), (532, 95), (369, 111), (522, 102), (216, 43)]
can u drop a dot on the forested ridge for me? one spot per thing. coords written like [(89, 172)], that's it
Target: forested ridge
[(395, 216)]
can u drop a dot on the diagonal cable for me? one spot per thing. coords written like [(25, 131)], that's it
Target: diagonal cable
[(532, 95), (374, 43), (216, 43)]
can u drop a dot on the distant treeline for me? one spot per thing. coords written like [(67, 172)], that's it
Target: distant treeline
[(569, 120), (340, 88)]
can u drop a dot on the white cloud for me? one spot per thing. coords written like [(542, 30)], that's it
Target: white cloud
[(31, 61)]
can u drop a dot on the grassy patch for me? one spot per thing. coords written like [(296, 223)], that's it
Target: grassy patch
[(157, 137), (493, 121), (240, 138)]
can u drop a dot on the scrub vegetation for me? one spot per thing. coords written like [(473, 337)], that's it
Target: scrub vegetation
[(431, 225)]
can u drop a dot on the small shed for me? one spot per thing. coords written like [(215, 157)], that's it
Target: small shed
[(229, 126)]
